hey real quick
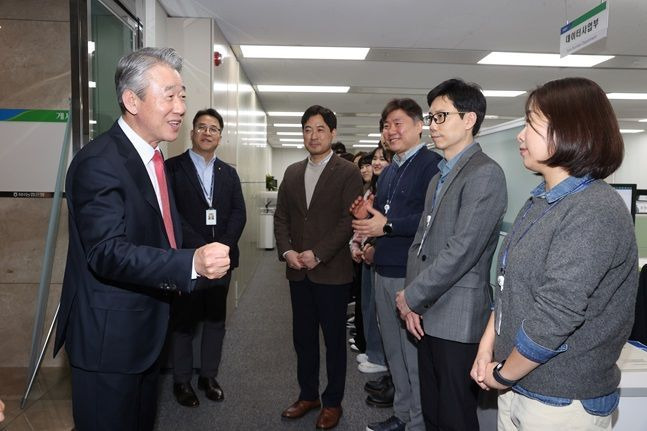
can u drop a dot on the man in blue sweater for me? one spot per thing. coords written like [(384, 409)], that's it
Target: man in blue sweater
[(397, 208)]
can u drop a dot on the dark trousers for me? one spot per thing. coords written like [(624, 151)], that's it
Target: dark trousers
[(206, 304), (111, 401), (448, 394), (315, 305)]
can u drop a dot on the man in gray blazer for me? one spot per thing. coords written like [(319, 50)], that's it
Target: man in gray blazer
[(312, 226), (447, 282)]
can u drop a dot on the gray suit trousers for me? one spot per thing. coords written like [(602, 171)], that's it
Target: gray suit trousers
[(401, 353)]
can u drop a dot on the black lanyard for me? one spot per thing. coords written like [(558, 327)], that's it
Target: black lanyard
[(208, 195)]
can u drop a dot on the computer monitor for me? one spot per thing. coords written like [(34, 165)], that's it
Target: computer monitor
[(628, 192)]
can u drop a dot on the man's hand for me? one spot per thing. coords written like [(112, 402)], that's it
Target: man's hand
[(368, 254), (372, 227), (414, 325), (212, 260), (308, 259), (359, 207), (401, 303), (292, 258), (356, 254), (479, 368)]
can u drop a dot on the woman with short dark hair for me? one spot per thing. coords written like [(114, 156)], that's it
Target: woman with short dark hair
[(567, 271)]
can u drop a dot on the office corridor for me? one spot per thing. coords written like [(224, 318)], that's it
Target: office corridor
[(258, 370)]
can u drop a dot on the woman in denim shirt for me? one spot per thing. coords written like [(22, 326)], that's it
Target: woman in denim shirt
[(567, 271)]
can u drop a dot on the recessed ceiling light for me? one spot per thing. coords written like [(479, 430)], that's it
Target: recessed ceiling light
[(285, 114), (290, 140), (302, 88), (374, 135), (644, 120), (294, 125), (304, 52), (535, 59), (369, 141), (292, 145), (364, 145), (627, 96), (289, 133), (631, 130), (502, 93)]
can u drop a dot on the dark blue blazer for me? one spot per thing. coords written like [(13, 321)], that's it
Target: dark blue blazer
[(120, 270), (227, 200)]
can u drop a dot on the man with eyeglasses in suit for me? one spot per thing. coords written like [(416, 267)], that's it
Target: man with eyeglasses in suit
[(209, 198)]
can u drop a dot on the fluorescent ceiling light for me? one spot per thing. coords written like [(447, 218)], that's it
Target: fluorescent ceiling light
[(92, 84), (644, 120), (502, 93), (374, 135), (292, 145), (631, 130), (290, 140), (289, 133), (303, 88), (252, 124), (369, 141), (252, 132), (364, 145), (535, 59), (285, 114), (627, 96), (304, 52), (221, 87), (294, 125), (491, 117)]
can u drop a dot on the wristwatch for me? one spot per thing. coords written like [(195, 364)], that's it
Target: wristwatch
[(388, 228), (499, 378)]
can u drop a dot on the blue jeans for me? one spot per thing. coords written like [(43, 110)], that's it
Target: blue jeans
[(374, 348)]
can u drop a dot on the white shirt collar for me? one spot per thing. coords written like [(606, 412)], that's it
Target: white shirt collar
[(143, 148), (323, 162)]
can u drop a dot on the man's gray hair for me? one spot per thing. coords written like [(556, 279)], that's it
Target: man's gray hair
[(132, 68)]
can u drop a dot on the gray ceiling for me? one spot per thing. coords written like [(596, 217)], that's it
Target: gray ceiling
[(415, 44)]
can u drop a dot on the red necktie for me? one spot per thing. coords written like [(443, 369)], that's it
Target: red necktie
[(166, 208)]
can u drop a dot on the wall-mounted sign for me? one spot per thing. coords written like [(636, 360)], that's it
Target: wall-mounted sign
[(584, 30)]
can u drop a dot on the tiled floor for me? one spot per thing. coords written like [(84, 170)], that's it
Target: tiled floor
[(50, 402)]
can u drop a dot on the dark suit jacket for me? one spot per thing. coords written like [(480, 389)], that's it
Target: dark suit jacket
[(191, 203), (120, 269), (325, 226)]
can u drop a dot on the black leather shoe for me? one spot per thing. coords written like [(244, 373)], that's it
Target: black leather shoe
[(378, 386), (211, 388), (382, 399), (184, 395)]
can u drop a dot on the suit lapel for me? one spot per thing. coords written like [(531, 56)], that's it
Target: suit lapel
[(135, 167), (300, 186), (192, 175), (217, 181)]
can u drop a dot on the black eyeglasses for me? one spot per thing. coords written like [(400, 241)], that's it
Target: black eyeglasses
[(202, 128), (438, 117)]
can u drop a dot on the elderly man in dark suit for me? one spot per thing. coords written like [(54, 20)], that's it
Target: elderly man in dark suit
[(123, 264), (312, 225), (209, 198), (448, 267)]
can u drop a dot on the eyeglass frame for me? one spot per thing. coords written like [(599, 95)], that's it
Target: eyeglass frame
[(427, 119), (202, 128)]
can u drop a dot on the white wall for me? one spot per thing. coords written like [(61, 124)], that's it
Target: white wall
[(634, 166), (284, 157)]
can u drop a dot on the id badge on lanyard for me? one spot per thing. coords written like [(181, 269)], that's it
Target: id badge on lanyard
[(211, 217)]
